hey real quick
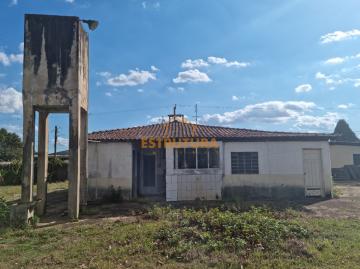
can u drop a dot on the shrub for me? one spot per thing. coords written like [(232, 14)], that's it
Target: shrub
[(11, 174), (214, 230), (57, 170), (4, 213)]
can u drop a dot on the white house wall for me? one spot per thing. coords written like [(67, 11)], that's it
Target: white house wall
[(110, 164), (191, 184), (342, 155), (281, 172)]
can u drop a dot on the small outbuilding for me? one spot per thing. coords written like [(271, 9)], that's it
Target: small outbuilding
[(178, 160)]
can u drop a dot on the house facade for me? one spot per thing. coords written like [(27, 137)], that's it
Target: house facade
[(178, 161)]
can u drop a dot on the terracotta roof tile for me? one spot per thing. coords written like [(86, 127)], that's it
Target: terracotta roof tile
[(178, 129)]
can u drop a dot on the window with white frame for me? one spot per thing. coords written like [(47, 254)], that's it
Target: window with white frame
[(244, 163), (196, 158)]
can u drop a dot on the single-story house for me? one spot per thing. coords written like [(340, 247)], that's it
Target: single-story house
[(178, 160), (345, 153)]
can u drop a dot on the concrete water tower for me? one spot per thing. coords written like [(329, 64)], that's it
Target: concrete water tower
[(55, 80)]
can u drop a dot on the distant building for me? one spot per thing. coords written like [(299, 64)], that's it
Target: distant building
[(345, 153), (178, 161)]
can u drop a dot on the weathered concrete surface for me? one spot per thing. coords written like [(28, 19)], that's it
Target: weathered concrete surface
[(42, 170), (110, 164), (83, 158), (55, 79)]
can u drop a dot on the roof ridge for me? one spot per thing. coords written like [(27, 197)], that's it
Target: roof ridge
[(203, 125)]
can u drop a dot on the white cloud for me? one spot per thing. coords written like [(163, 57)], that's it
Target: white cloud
[(16, 58), (199, 63), (109, 94), (217, 60), (7, 60), (299, 113), (272, 111), (176, 89), (191, 64), (70, 1), (13, 2), (133, 78), (154, 68), (323, 122), (329, 79), (336, 60), (21, 46), (340, 60), (63, 141), (303, 88), (225, 62), (10, 100), (104, 74), (4, 59), (336, 80), (237, 64), (146, 4), (356, 83), (345, 106), (192, 75), (235, 98), (140, 90), (339, 36), (154, 120)]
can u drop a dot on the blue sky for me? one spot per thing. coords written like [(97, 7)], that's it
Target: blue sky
[(269, 64)]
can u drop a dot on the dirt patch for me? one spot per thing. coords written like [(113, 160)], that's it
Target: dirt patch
[(347, 205)]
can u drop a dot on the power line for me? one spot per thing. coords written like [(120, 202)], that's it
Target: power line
[(128, 110)]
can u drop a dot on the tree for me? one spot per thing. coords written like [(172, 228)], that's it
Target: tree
[(10, 146), (344, 132)]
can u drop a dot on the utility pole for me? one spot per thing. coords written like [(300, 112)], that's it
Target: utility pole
[(55, 140), (196, 114)]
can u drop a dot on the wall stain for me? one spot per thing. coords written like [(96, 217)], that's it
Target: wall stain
[(60, 33)]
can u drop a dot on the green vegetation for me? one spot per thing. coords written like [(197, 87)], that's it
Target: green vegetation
[(56, 169), (10, 146), (185, 238), (192, 234), (10, 174), (4, 213)]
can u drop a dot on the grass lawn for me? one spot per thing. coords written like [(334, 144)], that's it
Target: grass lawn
[(12, 193), (107, 244), (178, 238)]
